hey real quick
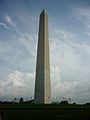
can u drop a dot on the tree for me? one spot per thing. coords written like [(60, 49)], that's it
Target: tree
[(21, 100), (64, 102)]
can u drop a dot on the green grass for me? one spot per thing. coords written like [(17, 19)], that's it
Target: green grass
[(44, 106), (47, 114), (45, 111)]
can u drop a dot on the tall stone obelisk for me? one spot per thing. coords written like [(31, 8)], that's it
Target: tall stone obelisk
[(42, 80)]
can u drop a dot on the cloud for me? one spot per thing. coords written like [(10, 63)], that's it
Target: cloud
[(14, 79), (12, 24), (77, 91), (4, 25), (83, 16), (17, 84), (28, 40), (9, 21), (69, 66), (69, 63)]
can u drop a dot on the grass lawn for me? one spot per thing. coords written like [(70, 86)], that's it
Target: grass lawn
[(44, 106), (47, 114), (40, 112)]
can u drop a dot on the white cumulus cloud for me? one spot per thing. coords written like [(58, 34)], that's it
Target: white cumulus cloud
[(17, 84), (16, 79)]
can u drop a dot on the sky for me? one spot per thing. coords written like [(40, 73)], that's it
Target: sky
[(69, 41)]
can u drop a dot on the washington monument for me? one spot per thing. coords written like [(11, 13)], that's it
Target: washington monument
[(42, 81)]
